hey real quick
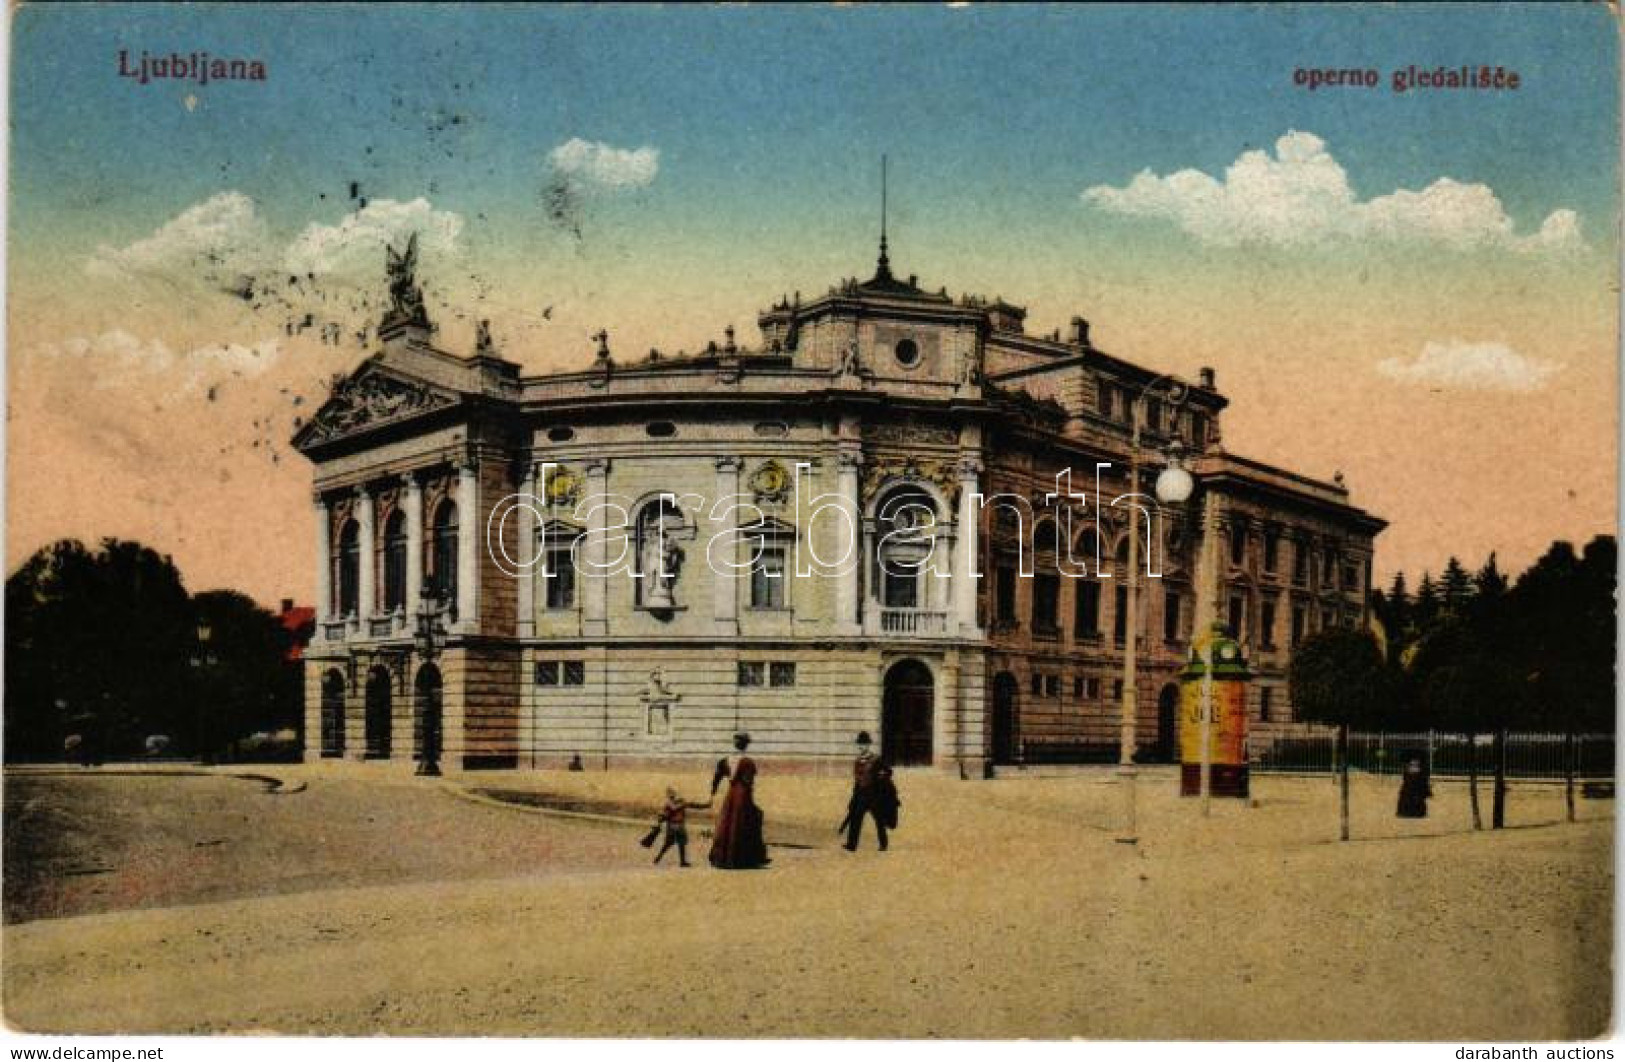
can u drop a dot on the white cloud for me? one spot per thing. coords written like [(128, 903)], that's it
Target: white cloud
[(356, 244), (117, 359), (1301, 196), (221, 236), (601, 165), (1471, 367)]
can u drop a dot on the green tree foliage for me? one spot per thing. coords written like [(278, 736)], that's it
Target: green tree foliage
[(104, 643), (1339, 677)]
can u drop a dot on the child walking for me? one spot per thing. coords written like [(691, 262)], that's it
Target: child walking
[(675, 818)]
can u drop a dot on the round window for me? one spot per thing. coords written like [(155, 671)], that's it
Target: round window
[(908, 352), (561, 434)]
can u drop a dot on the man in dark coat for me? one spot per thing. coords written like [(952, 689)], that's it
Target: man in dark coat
[(873, 793), (1414, 790)]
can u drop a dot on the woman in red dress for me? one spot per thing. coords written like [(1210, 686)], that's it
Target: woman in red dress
[(737, 843)]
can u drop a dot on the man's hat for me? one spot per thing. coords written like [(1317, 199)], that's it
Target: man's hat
[(864, 738)]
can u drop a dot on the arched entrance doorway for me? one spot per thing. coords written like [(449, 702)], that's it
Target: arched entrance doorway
[(332, 714), (1168, 723), (1005, 691), (378, 705), (426, 728), (905, 722)]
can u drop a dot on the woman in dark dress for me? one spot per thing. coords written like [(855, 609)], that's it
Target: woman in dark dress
[(736, 843), (1414, 790)]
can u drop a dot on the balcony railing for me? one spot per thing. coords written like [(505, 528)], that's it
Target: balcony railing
[(912, 621)]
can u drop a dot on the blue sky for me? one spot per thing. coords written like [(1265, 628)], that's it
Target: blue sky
[(1408, 288)]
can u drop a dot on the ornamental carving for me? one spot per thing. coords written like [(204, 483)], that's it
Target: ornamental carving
[(770, 484), (909, 432), (367, 402), (563, 486), (944, 475)]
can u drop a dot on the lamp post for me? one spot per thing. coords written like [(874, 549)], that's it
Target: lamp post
[(204, 663), (1173, 487), (428, 638)]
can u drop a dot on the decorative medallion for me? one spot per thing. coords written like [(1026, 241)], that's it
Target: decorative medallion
[(563, 487), (770, 483)]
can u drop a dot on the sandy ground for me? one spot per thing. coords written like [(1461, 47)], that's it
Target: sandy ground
[(1004, 909)]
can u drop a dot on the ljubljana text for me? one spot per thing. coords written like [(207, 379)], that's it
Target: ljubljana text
[(197, 67)]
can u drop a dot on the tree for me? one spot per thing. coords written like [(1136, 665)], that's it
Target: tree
[(1425, 609), (105, 644), (1455, 587), (240, 672), (95, 644), (1564, 609), (1338, 677)]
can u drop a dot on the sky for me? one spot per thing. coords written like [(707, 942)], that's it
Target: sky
[(1418, 289)]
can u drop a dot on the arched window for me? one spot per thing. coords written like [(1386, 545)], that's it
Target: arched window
[(349, 569), (905, 527), (558, 552), (443, 558), (395, 562)]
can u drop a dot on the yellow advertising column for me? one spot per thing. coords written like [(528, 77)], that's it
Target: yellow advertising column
[(1227, 735)]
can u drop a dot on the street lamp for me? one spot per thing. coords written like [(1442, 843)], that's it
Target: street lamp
[(1174, 485), (428, 637), (204, 663)]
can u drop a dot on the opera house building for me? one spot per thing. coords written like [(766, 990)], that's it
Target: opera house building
[(896, 511)]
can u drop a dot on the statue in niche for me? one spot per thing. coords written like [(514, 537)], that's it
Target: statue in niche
[(660, 558)]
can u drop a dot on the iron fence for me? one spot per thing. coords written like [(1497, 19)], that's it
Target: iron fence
[(1530, 756)]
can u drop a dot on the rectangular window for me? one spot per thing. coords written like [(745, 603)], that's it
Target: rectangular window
[(751, 672), (901, 588), (767, 579), (1351, 577), (1266, 625), (1120, 627), (1328, 619), (1086, 608), (560, 579), (1005, 587), (782, 674), (1170, 615), (1092, 687), (1117, 690), (1052, 685), (1328, 568), (1300, 621), (1077, 687), (1046, 594), (1038, 684), (1238, 617), (1106, 392), (547, 672), (1300, 563), (1238, 543), (1153, 415), (1272, 551), (1265, 695), (1198, 432)]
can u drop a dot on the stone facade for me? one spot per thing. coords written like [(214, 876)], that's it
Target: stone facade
[(630, 562)]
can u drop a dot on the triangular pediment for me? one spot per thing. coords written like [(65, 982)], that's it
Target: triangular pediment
[(768, 526), (368, 399)]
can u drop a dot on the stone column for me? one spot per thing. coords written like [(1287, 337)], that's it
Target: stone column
[(966, 547), (847, 588), (367, 560), (470, 533), (725, 600), (594, 581), (525, 558), (413, 515), (324, 565)]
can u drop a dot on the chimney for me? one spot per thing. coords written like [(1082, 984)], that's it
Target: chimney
[(1207, 378), (1080, 332), (287, 605)]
